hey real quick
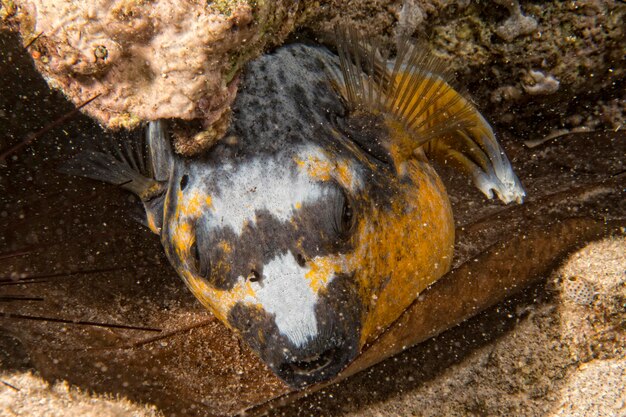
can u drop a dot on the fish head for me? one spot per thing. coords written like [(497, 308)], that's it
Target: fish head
[(307, 253), (317, 220)]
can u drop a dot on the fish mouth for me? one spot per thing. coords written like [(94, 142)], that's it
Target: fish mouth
[(319, 359), (311, 364), (298, 371), (309, 358)]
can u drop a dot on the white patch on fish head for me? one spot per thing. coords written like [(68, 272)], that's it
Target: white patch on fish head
[(285, 292), (260, 184)]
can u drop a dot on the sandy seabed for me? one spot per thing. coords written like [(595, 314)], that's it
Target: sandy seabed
[(566, 356)]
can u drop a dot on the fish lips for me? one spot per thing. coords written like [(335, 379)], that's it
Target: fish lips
[(320, 358)]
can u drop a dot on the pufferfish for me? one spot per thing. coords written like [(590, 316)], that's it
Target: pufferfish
[(318, 218)]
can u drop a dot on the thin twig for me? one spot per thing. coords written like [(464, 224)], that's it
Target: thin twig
[(63, 274), (24, 282), (10, 386), (20, 252), (33, 40), (172, 333), (31, 137), (9, 298), (80, 322)]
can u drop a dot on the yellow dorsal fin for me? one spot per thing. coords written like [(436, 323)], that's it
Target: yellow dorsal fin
[(414, 91)]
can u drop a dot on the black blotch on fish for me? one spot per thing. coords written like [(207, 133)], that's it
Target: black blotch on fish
[(183, 182), (315, 230), (367, 131)]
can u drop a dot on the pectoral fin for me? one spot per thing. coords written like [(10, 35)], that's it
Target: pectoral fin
[(121, 164), (124, 164)]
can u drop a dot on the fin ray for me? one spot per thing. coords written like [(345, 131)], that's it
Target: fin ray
[(161, 155), (102, 166), (122, 164), (415, 91)]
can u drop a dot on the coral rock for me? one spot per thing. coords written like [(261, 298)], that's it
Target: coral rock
[(149, 59), (528, 65)]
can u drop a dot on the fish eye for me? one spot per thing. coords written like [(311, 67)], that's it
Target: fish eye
[(201, 264), (344, 216)]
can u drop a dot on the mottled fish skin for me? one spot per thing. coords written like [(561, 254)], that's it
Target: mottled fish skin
[(295, 235), (313, 224)]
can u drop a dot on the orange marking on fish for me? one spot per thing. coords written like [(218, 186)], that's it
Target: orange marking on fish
[(402, 251), (225, 246), (322, 169), (183, 238), (193, 205), (316, 168), (345, 174), (220, 302), (152, 222), (324, 268)]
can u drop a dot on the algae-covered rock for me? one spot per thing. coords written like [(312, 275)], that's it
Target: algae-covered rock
[(533, 67), (150, 59)]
